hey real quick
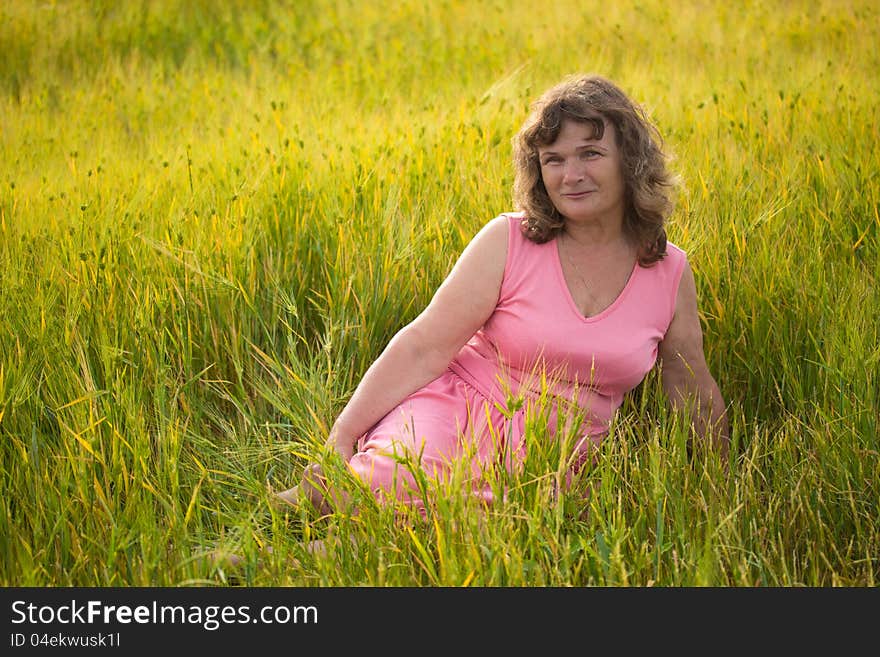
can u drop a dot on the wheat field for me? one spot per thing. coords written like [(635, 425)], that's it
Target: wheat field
[(214, 215)]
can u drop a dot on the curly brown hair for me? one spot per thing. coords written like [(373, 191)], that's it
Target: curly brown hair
[(595, 100)]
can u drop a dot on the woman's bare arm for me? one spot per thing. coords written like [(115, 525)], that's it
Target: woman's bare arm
[(422, 350), (684, 373)]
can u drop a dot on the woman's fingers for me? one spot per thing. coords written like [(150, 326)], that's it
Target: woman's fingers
[(343, 446)]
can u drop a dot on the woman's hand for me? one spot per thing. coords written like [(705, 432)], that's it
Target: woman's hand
[(341, 444)]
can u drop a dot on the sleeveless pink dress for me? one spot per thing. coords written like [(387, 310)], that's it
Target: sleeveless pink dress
[(535, 339)]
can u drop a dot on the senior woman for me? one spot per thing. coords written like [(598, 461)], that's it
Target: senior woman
[(580, 283)]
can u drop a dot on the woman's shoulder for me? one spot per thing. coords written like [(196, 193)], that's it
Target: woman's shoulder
[(658, 283), (667, 271), (675, 259), (502, 238), (512, 221), (492, 238), (503, 229), (518, 242), (498, 228), (675, 251)]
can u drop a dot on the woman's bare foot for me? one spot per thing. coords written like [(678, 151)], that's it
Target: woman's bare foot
[(285, 499), (312, 489), (233, 562), (224, 559)]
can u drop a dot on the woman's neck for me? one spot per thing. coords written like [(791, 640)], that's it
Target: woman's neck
[(596, 234)]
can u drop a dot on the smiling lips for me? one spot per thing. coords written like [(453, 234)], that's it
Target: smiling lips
[(577, 195)]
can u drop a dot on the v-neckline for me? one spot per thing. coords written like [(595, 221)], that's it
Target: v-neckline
[(566, 290)]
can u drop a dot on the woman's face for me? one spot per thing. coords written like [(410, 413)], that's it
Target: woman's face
[(582, 174)]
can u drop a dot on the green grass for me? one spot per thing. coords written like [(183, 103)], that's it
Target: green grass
[(213, 216)]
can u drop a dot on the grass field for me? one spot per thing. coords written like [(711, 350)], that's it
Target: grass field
[(214, 215)]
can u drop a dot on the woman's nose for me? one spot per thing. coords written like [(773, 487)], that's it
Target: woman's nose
[(573, 172)]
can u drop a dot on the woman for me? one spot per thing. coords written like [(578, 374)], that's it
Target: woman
[(580, 283)]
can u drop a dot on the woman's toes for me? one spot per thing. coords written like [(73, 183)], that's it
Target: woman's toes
[(223, 559), (286, 498)]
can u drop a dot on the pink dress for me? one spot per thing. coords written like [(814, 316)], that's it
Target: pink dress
[(536, 338)]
